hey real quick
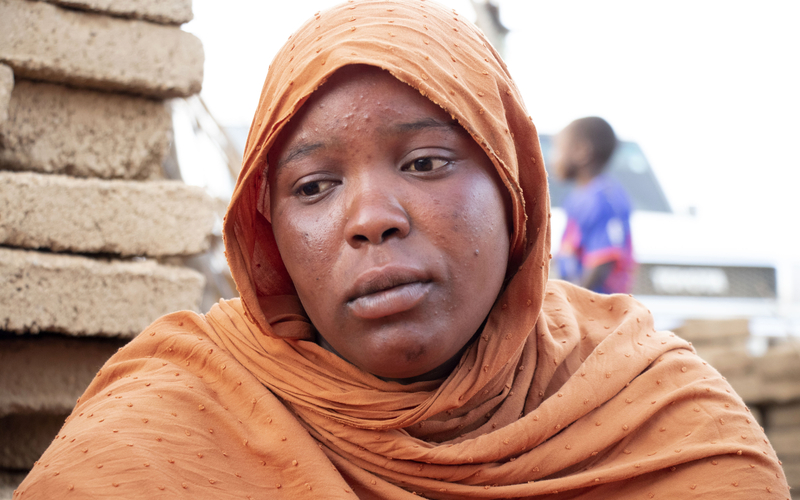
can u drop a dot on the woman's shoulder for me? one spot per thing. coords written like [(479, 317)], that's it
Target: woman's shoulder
[(172, 413), (567, 299), (647, 403)]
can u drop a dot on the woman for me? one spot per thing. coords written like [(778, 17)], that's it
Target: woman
[(396, 334)]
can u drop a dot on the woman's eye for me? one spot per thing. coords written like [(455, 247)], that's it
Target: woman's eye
[(313, 188), (426, 164)]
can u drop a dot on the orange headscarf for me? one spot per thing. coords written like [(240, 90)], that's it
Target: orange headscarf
[(565, 392)]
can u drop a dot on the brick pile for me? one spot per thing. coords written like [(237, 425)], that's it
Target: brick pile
[(768, 384), (92, 236)]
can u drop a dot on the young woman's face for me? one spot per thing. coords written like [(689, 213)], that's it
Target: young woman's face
[(391, 222)]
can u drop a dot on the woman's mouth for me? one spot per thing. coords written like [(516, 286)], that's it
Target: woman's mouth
[(389, 301), (384, 292)]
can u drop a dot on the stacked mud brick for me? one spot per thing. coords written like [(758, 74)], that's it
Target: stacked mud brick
[(769, 384), (92, 237), (779, 372)]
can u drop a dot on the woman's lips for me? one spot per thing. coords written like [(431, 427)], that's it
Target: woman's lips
[(390, 301)]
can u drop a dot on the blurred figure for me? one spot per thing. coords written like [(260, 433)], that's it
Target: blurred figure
[(596, 250)]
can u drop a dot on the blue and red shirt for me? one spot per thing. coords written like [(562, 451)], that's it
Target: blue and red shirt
[(598, 231)]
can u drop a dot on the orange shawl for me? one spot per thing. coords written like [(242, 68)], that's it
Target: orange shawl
[(565, 393)]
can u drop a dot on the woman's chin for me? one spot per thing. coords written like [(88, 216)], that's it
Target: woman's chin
[(390, 371), (410, 372), (405, 355)]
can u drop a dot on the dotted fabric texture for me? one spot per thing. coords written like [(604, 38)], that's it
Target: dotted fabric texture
[(566, 393)]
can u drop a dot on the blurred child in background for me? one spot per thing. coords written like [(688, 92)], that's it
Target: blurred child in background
[(596, 250)]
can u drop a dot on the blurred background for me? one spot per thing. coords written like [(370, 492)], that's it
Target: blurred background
[(115, 171)]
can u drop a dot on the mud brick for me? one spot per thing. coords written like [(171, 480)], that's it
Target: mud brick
[(81, 296), (6, 86), (23, 438), (156, 218), (48, 373), (157, 11), (57, 129), (720, 331), (42, 41)]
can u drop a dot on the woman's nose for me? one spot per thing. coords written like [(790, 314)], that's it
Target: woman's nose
[(375, 214)]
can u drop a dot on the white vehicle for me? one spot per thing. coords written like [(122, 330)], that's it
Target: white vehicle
[(688, 267)]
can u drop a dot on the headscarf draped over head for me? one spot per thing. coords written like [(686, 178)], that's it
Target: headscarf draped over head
[(447, 60), (564, 392)]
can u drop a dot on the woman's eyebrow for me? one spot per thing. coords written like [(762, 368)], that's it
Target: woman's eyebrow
[(299, 151), (423, 124)]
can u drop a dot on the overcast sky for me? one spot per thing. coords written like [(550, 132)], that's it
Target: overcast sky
[(709, 88)]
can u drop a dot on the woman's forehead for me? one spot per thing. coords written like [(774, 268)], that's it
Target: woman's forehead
[(354, 98), (358, 83)]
